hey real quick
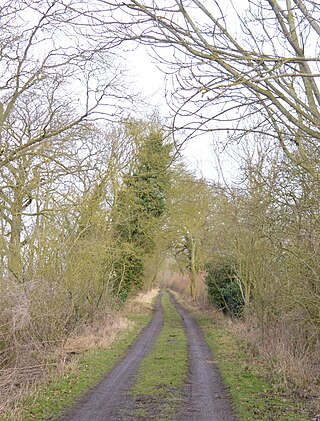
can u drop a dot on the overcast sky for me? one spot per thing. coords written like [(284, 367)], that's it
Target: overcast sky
[(151, 82)]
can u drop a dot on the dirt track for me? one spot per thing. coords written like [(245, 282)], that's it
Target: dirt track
[(100, 402), (205, 396)]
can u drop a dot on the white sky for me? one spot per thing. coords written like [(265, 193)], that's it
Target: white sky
[(148, 79)]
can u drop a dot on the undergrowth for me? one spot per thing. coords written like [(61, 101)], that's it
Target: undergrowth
[(246, 375), (51, 399)]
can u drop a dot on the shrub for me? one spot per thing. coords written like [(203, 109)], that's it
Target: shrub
[(223, 289)]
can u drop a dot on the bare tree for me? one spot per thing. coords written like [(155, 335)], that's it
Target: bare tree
[(51, 71), (190, 205), (239, 66)]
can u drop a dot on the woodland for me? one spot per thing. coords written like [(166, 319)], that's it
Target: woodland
[(96, 203)]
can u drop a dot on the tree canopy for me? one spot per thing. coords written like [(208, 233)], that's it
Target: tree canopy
[(241, 67)]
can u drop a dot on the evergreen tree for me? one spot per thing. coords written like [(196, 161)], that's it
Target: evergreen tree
[(140, 206)]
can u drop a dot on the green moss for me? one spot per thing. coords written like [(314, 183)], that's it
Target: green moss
[(254, 397), (163, 373)]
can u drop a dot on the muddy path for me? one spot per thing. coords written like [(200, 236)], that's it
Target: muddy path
[(99, 403), (206, 396)]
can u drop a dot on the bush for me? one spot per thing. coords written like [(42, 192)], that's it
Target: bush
[(223, 289)]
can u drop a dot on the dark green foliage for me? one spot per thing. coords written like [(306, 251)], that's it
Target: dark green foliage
[(223, 289), (140, 205), (129, 270), (150, 177)]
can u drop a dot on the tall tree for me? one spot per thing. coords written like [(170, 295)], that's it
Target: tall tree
[(141, 204), (50, 75)]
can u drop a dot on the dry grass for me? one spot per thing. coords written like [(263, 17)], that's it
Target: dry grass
[(293, 361), (146, 298), (34, 342), (101, 333), (141, 302)]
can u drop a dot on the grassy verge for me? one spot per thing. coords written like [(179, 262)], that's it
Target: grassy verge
[(255, 398), (49, 400), (157, 393)]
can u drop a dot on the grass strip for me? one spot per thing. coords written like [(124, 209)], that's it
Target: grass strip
[(49, 400), (254, 397), (158, 391)]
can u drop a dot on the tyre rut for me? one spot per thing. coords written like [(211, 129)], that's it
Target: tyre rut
[(207, 396), (98, 404)]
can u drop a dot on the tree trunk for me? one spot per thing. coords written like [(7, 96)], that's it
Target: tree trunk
[(193, 270), (14, 257)]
